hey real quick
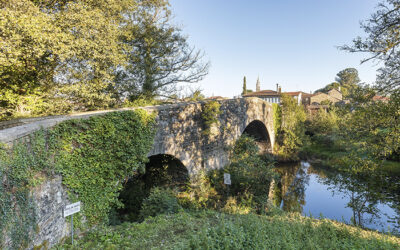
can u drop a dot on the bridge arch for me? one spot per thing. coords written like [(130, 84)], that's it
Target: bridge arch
[(162, 170), (165, 170), (259, 131)]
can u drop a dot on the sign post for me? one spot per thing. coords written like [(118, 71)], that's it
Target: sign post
[(227, 180), (71, 209)]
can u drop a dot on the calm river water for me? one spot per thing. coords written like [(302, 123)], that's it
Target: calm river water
[(370, 202)]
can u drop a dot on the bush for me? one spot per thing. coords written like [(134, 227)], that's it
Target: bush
[(201, 193), (160, 201), (323, 122), (210, 114), (291, 135), (250, 174)]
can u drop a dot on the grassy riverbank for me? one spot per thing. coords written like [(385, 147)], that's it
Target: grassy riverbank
[(213, 230), (331, 155)]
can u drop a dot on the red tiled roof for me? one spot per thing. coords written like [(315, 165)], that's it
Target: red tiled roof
[(380, 98), (263, 93), (292, 93), (307, 95)]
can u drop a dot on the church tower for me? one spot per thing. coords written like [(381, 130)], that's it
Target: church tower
[(258, 84)]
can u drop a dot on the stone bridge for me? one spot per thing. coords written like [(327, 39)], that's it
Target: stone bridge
[(180, 130), (180, 133)]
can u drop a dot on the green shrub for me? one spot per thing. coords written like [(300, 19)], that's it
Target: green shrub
[(200, 193), (291, 136), (249, 171), (277, 114), (210, 114), (160, 201), (323, 122)]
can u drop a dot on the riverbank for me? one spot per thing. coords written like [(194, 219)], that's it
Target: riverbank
[(330, 156), (213, 230)]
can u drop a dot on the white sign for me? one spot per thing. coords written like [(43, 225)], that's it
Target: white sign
[(72, 208), (227, 179)]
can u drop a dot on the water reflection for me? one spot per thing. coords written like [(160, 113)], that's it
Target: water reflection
[(366, 201)]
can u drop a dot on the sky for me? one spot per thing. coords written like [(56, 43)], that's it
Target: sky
[(290, 42)]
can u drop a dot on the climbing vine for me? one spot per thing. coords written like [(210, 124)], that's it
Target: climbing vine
[(277, 115), (94, 156), (19, 168), (210, 113)]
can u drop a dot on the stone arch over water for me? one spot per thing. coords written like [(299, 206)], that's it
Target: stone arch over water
[(165, 170), (259, 132), (162, 170)]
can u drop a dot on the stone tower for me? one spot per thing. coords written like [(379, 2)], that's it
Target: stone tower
[(258, 84)]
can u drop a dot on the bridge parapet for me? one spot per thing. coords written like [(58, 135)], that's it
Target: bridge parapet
[(174, 120)]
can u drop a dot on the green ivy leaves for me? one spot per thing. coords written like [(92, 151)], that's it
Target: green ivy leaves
[(94, 156)]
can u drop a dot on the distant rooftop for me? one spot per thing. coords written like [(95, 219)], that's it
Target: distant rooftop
[(380, 98), (262, 93)]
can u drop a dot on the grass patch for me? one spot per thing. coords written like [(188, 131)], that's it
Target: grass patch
[(324, 153), (213, 230)]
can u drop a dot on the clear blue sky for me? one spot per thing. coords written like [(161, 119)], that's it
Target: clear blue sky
[(291, 42)]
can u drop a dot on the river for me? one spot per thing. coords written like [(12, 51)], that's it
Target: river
[(317, 191)]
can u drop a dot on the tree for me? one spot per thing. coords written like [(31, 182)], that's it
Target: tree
[(194, 95), (159, 56), (346, 79), (59, 51), (382, 43), (244, 86), (291, 135), (377, 124)]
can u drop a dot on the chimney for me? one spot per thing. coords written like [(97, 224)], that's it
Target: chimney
[(277, 87)]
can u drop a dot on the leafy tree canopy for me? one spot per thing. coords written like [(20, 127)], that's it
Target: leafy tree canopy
[(159, 56), (382, 43), (58, 56), (346, 80)]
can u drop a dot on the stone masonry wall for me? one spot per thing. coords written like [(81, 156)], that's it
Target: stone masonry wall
[(320, 97), (180, 131), (335, 93), (50, 199)]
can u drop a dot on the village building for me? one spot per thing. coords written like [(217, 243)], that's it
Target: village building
[(301, 97), (270, 96), (333, 96), (267, 95)]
